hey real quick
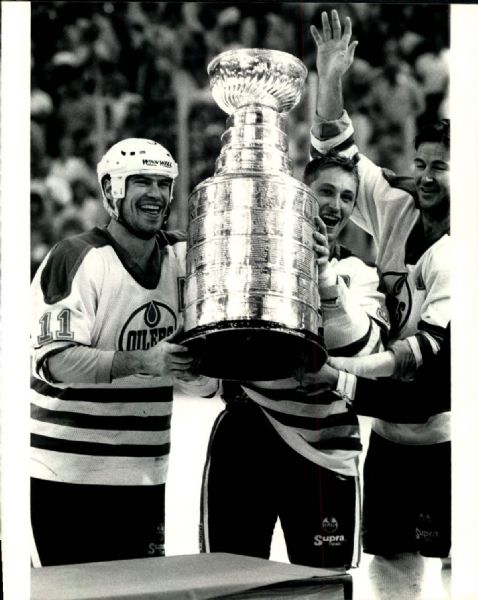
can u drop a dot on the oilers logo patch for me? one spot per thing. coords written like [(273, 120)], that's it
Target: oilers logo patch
[(398, 296), (148, 325)]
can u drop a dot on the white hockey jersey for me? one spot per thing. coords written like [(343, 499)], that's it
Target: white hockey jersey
[(320, 426), (89, 292), (416, 282)]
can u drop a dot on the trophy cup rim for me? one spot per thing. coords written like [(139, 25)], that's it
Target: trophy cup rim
[(248, 61), (280, 55)]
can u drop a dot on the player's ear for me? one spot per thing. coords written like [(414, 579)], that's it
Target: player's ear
[(106, 185)]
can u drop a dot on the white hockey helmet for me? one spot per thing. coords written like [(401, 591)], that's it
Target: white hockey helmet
[(131, 157)]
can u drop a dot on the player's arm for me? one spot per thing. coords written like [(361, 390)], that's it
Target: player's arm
[(398, 401), (83, 364), (334, 56), (80, 364), (404, 357), (353, 310), (332, 128), (421, 348)]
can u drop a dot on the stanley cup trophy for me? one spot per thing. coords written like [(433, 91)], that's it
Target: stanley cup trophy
[(252, 307)]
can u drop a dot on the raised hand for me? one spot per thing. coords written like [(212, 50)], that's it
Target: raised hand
[(335, 53)]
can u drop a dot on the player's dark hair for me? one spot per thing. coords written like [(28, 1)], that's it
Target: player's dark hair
[(328, 161), (438, 131)]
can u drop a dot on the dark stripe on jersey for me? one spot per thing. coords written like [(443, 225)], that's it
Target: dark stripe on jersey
[(99, 394), (355, 347), (307, 396), (314, 153), (350, 141), (377, 346), (383, 327), (64, 261), (436, 331), (426, 348), (82, 421), (339, 443), (43, 442), (312, 423)]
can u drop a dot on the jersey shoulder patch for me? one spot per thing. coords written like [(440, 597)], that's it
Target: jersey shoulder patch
[(64, 261)]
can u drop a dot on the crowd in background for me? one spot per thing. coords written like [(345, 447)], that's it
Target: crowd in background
[(103, 71)]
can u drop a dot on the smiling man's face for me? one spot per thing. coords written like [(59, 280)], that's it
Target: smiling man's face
[(336, 190), (432, 176), (145, 204)]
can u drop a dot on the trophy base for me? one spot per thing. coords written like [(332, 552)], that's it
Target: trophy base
[(253, 350)]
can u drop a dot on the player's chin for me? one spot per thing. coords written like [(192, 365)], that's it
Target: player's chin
[(152, 226)]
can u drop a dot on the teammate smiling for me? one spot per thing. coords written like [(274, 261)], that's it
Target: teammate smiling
[(106, 307)]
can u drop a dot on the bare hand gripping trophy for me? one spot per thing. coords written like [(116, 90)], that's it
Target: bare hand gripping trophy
[(251, 293)]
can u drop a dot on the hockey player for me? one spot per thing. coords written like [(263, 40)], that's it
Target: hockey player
[(283, 449), (106, 309), (407, 469)]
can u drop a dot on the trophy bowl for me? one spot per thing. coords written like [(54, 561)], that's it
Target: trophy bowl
[(255, 75)]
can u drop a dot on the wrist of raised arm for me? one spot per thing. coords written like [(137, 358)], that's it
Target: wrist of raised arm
[(329, 99)]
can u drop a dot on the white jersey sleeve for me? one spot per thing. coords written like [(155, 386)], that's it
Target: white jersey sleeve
[(64, 306), (353, 309), (432, 308)]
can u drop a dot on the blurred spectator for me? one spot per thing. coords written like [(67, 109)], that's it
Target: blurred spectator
[(432, 68), (131, 123), (395, 102), (41, 104), (228, 29), (41, 222), (357, 85), (39, 160), (280, 34), (86, 208), (68, 166)]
